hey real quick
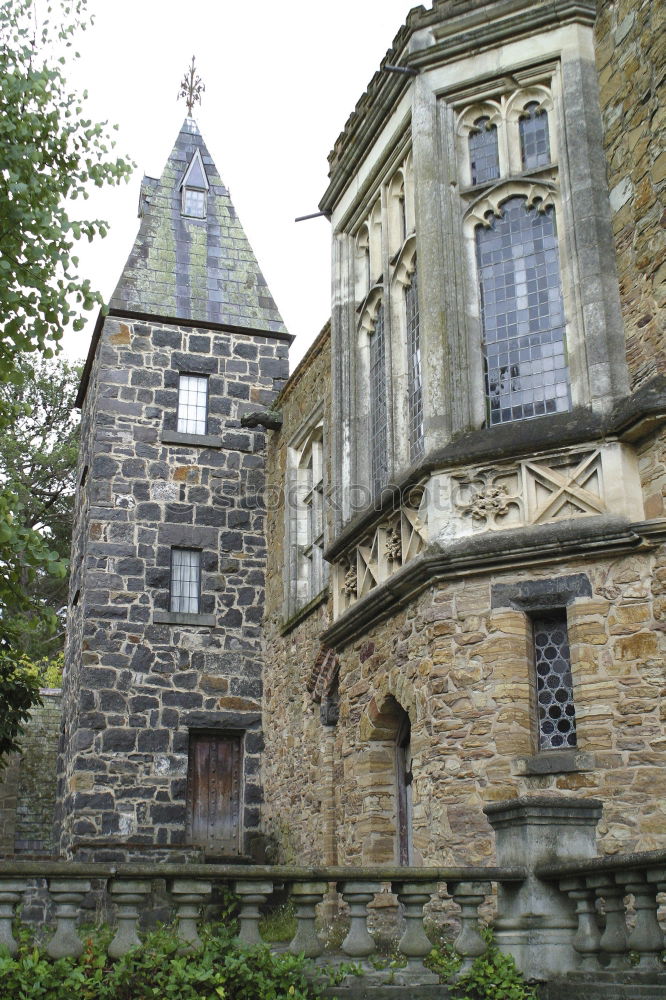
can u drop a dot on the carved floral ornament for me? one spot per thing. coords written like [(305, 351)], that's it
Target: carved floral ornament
[(392, 543)]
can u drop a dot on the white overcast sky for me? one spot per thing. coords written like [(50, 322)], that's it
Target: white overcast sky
[(281, 79)]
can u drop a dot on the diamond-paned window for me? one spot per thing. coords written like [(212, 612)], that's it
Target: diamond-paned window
[(185, 580), (414, 378), (524, 344), (483, 151), (378, 407), (534, 138), (554, 685), (193, 404)]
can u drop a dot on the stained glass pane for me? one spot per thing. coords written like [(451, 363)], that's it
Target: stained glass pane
[(185, 573), (414, 382), (192, 404), (378, 410), (554, 685), (522, 314), (534, 138), (483, 153)]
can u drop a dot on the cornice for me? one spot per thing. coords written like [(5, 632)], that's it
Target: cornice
[(514, 549)]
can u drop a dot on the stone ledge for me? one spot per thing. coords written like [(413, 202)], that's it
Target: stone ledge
[(555, 762), (193, 440), (304, 612), (182, 618)]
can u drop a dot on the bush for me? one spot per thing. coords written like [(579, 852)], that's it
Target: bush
[(493, 976), (221, 970)]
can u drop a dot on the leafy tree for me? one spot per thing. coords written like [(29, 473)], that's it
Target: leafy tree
[(49, 156), (38, 468)]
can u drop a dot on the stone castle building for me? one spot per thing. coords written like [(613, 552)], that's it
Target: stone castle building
[(329, 617)]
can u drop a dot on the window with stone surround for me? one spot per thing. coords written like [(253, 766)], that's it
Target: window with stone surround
[(556, 713), (378, 404), (521, 305), (185, 589), (414, 374), (193, 404), (304, 507)]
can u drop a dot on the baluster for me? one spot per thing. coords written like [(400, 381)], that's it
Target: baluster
[(414, 943), (646, 937), (306, 896), (189, 895), (252, 895), (469, 896), (614, 938), (11, 891), (67, 895), (127, 894), (587, 939), (359, 943)]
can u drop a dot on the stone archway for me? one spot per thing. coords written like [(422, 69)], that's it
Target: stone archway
[(385, 772)]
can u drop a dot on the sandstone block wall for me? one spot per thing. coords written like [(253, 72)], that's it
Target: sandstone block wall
[(631, 59), (137, 682)]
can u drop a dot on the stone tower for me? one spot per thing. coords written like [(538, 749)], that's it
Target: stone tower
[(162, 689)]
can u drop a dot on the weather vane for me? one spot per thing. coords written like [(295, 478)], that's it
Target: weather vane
[(191, 88)]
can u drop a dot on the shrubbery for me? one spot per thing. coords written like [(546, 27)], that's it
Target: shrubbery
[(221, 970)]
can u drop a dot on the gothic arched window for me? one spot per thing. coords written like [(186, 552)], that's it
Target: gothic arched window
[(414, 375), (378, 404), (534, 138), (524, 343), (483, 151)]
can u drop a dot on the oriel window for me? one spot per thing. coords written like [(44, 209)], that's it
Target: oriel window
[(524, 345), (483, 151), (378, 404)]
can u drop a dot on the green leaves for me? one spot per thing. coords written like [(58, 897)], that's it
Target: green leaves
[(158, 971)]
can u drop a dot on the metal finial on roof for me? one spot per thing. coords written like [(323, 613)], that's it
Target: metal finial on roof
[(191, 88)]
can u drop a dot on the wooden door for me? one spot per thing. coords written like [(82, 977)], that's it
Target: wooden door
[(214, 788)]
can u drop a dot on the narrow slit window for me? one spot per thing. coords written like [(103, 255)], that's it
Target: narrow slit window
[(534, 137), (524, 347), (185, 580), (193, 404), (378, 407), (483, 151), (554, 684), (414, 378)]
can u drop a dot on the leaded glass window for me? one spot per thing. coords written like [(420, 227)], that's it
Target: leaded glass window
[(378, 407), (534, 138), (193, 404), (554, 684), (522, 313), (311, 516), (185, 580), (483, 152), (414, 378)]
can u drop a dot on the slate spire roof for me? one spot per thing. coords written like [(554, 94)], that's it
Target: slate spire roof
[(196, 269)]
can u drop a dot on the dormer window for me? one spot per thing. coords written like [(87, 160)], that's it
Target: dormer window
[(194, 189)]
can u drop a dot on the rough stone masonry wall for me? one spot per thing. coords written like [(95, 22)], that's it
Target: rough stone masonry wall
[(462, 670), (27, 785), (136, 686), (631, 60), (297, 761)]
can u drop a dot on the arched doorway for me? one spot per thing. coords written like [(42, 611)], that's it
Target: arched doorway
[(387, 808)]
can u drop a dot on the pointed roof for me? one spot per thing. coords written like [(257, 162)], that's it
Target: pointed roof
[(202, 270)]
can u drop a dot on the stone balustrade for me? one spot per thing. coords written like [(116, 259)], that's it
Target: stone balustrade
[(128, 887), (624, 890)]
